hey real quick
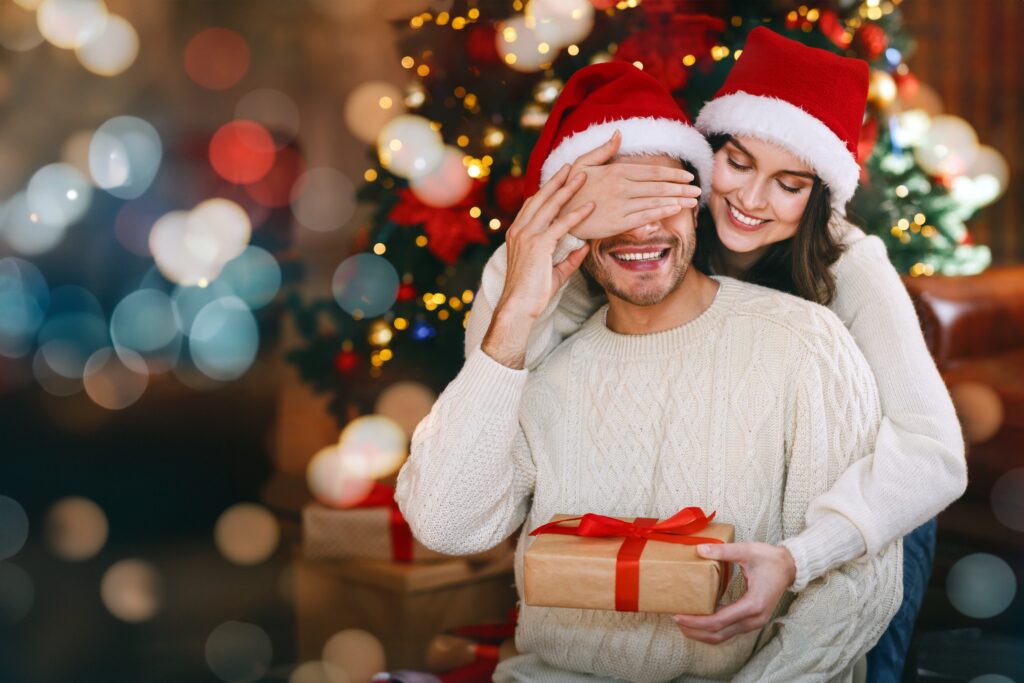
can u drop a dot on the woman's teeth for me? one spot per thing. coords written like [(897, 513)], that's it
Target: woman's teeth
[(744, 219), (648, 256)]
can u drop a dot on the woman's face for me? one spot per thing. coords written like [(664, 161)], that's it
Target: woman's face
[(758, 194)]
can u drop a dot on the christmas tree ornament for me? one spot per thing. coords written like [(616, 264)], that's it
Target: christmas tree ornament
[(493, 137), (345, 361), (481, 45), (881, 89), (380, 333), (533, 116), (546, 91), (870, 41), (415, 95), (448, 230)]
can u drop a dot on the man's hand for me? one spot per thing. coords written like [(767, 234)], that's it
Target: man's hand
[(628, 195), (531, 280), (769, 571)]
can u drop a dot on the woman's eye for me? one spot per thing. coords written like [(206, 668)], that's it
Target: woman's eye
[(787, 188), (738, 167)]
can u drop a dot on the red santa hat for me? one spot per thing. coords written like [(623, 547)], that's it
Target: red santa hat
[(602, 98), (808, 100)]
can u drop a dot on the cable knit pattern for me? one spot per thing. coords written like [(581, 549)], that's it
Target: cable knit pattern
[(753, 410), (917, 465)]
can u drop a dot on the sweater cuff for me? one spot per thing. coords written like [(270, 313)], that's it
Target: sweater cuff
[(829, 542), (493, 388), (566, 245)]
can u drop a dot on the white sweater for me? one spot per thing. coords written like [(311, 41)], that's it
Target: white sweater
[(752, 410), (917, 466)]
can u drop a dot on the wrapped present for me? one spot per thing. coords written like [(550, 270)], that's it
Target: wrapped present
[(405, 605), (464, 645), (373, 530), (627, 564)]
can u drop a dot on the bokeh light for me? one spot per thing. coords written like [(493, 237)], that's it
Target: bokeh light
[(254, 276), (356, 652), (217, 58), (562, 22), (18, 30), (370, 106), (323, 199), (447, 185), (75, 152), (242, 152), (949, 147), (75, 329), (189, 300), (52, 381), (274, 190), (70, 23), (410, 147), (979, 408), (76, 529), (981, 585), (406, 403), (217, 230), (273, 110), (124, 156), (58, 194), (25, 232), (334, 480), (317, 672), (373, 446), (13, 527), (144, 322), (224, 339), (112, 50), (172, 253), (115, 379), (247, 534), (1007, 499), (24, 300), (239, 652), (984, 180), (521, 47), (131, 590), (17, 593), (365, 284)]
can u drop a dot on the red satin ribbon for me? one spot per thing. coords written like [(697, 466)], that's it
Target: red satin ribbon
[(401, 534), (676, 529)]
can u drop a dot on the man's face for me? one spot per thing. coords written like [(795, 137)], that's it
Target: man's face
[(645, 265)]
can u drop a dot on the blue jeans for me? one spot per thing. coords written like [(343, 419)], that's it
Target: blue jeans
[(886, 659)]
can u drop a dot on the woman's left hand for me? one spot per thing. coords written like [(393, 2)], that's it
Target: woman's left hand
[(769, 570)]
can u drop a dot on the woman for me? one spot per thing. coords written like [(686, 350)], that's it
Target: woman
[(784, 128)]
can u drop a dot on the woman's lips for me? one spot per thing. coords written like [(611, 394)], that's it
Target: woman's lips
[(745, 227)]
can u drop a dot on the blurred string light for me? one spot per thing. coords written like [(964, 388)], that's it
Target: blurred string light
[(1007, 499), (17, 593), (242, 152), (531, 42), (13, 527), (317, 672), (76, 529), (272, 109), (335, 480), (224, 339), (410, 146), (112, 50), (239, 652), (192, 248), (69, 24), (323, 199), (365, 285), (370, 106), (18, 30), (124, 156), (76, 327), (217, 58), (358, 653), (274, 190), (374, 446), (447, 185), (981, 585), (131, 590), (247, 534), (115, 379), (36, 220), (143, 328), (24, 300)]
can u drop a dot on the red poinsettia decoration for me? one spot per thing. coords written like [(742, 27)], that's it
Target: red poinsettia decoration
[(665, 39), (448, 230)]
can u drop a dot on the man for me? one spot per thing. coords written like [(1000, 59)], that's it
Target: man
[(683, 390)]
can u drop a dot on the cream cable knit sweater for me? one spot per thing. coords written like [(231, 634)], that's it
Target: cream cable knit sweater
[(917, 466), (753, 410)]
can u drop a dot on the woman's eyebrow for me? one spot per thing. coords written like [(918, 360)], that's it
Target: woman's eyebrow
[(802, 174)]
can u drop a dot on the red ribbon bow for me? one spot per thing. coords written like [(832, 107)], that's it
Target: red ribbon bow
[(679, 528), (401, 534)]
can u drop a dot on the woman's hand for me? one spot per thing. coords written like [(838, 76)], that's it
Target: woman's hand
[(627, 195), (769, 571)]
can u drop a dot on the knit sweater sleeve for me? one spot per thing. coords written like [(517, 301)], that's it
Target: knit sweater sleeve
[(841, 614), (468, 480), (568, 310), (917, 465)]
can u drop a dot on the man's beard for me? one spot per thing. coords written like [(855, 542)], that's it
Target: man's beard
[(641, 296)]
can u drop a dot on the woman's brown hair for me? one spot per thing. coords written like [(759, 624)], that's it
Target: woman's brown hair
[(799, 265)]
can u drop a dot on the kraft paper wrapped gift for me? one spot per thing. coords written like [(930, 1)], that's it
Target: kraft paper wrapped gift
[(370, 533), (626, 563), (404, 605)]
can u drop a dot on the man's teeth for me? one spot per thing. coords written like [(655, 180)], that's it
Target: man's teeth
[(647, 256), (745, 220)]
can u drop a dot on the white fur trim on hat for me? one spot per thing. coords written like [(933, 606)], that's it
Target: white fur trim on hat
[(785, 124), (641, 135)]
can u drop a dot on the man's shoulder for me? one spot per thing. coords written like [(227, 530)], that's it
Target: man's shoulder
[(782, 313)]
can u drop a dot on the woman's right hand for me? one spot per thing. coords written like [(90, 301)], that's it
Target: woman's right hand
[(627, 196)]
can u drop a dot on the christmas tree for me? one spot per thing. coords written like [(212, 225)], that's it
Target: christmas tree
[(445, 173)]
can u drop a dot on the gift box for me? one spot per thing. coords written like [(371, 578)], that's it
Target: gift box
[(404, 605), (627, 564), (371, 532)]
